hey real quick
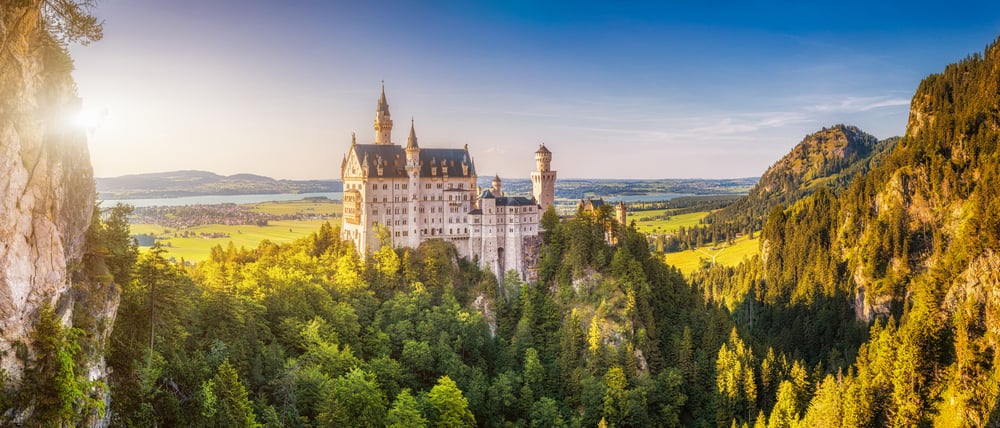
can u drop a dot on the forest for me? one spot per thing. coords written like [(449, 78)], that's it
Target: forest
[(873, 302)]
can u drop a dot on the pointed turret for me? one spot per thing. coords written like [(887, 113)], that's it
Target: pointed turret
[(383, 121), (412, 151), (383, 104), (411, 142), (496, 186)]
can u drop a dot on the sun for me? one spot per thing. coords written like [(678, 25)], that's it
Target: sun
[(87, 119)]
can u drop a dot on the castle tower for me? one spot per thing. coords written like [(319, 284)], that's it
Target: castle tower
[(496, 186), (543, 179), (413, 172), (412, 149), (620, 213), (383, 123)]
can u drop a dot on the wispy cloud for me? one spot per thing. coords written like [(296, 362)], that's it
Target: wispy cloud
[(852, 104)]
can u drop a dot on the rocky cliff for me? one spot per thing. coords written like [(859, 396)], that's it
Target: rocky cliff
[(46, 200)]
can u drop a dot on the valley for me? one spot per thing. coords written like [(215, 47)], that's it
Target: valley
[(855, 283)]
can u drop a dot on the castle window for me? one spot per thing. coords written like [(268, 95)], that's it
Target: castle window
[(404, 188), (439, 185), (374, 186), (385, 186), (427, 186)]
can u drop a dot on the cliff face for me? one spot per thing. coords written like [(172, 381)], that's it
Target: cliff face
[(46, 192)]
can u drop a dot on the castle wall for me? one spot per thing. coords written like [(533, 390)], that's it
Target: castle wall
[(415, 200)]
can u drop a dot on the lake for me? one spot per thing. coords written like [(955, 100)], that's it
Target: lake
[(272, 197), (221, 199)]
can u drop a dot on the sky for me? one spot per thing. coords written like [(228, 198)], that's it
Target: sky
[(624, 89)]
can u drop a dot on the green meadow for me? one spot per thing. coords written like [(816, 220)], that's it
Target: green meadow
[(305, 207), (730, 255), (196, 247), (645, 222)]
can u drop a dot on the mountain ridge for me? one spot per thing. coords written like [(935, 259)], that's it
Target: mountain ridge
[(830, 157), (179, 183)]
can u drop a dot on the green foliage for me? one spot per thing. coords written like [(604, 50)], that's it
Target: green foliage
[(354, 399), (230, 406), (58, 394), (451, 409), (405, 412)]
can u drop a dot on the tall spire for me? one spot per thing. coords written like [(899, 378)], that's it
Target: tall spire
[(411, 142), (383, 104), (383, 122)]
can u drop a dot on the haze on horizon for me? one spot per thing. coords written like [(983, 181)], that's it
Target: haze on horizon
[(638, 90)]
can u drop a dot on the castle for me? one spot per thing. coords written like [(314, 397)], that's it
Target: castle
[(417, 194)]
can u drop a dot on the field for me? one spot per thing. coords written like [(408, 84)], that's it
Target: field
[(729, 255), (197, 245), (307, 207), (664, 226)]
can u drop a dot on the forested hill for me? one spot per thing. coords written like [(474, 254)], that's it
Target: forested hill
[(194, 183), (911, 247), (829, 157)]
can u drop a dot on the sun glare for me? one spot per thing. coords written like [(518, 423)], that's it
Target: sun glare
[(87, 119)]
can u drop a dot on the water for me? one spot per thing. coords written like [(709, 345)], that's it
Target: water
[(221, 199), (253, 199)]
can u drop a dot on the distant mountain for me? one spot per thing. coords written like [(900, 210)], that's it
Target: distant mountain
[(195, 183), (830, 158)]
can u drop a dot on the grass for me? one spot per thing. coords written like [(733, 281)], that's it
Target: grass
[(664, 226), (195, 248), (323, 208), (728, 255)]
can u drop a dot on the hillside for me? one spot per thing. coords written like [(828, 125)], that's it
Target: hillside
[(912, 249), (195, 183), (830, 157)]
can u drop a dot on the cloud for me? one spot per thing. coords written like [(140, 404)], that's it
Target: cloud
[(853, 104)]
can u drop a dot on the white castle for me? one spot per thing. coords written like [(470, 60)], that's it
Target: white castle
[(418, 194)]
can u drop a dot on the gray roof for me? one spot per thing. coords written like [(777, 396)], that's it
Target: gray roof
[(514, 201), (393, 159)]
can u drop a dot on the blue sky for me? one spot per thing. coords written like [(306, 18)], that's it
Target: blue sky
[(617, 90)]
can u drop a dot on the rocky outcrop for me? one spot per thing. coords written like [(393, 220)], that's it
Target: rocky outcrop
[(46, 192)]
